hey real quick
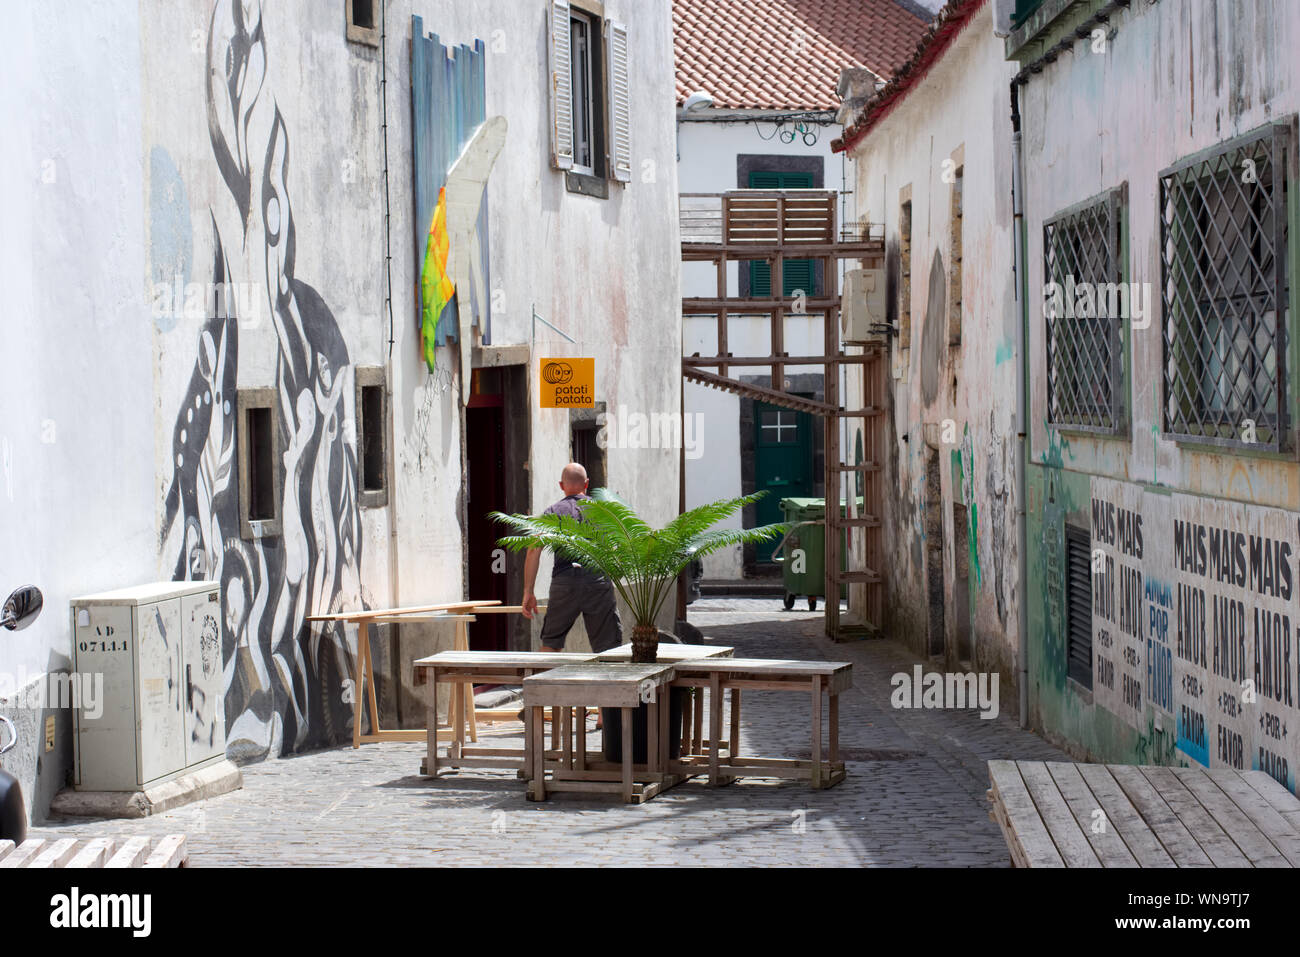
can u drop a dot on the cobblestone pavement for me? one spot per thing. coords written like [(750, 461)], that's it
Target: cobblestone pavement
[(914, 794)]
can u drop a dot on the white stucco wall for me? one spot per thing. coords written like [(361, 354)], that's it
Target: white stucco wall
[(76, 398), (708, 164), (959, 111), (112, 183)]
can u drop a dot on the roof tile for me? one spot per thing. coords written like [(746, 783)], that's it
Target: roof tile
[(786, 54)]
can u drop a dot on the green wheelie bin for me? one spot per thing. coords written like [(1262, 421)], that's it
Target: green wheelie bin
[(804, 574)]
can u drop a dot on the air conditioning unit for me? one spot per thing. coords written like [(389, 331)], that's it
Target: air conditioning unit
[(862, 307), (161, 696)]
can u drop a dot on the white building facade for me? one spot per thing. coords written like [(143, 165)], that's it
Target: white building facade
[(221, 381)]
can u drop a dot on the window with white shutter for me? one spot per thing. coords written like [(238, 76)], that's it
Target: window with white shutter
[(620, 103), (561, 87)]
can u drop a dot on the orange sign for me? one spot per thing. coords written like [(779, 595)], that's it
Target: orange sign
[(568, 383)]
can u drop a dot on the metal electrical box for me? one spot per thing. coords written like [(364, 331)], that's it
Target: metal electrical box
[(155, 651), (862, 306)]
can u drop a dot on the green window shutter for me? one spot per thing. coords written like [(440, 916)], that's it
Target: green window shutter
[(796, 273)]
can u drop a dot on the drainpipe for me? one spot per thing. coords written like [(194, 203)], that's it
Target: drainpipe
[(1022, 403)]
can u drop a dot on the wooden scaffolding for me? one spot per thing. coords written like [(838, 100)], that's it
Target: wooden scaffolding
[(800, 224)]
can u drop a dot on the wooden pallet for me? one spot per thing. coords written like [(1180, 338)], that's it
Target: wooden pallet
[(1059, 814), (170, 851)]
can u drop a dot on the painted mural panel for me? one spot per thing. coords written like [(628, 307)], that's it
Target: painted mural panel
[(287, 685), (1118, 631), (448, 103), (1215, 640)]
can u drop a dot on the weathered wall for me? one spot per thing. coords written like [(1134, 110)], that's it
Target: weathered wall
[(953, 427), (225, 144), (76, 397), (1174, 79)]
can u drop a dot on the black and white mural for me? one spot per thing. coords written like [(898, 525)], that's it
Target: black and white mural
[(288, 684)]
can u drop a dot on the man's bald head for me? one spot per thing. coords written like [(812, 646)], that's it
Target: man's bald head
[(573, 479)]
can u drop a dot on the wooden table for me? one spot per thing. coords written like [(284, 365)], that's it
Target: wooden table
[(462, 669), (459, 612), (1060, 814), (606, 684), (821, 680)]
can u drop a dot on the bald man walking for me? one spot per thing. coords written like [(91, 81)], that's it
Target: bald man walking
[(574, 590)]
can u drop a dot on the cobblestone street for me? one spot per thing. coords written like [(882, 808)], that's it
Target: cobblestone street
[(914, 794)]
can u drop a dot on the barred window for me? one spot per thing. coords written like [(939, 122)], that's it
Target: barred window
[(1223, 239), (1085, 300)]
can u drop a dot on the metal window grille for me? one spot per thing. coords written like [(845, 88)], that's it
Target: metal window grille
[(1078, 604), (1082, 257), (1224, 284)]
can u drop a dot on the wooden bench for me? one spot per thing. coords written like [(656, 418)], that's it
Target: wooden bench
[(463, 669), (605, 684), (1061, 814), (69, 852), (821, 680)]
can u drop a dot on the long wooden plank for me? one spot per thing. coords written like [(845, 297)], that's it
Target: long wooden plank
[(56, 855), (362, 614), (1069, 839), (1027, 834), (1216, 843), (1250, 840), (1106, 842), (1173, 835), (1270, 821), (501, 659), (95, 854), (408, 619), (24, 853), (1278, 797), (1140, 840), (669, 652), (170, 852), (799, 669), (133, 853)]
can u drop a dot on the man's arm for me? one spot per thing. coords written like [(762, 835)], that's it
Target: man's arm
[(531, 563)]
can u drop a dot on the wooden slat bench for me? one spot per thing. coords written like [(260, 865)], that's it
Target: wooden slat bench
[(170, 851), (821, 680), (464, 669), (605, 684), (1060, 814)]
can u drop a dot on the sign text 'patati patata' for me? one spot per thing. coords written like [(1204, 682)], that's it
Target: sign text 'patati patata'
[(568, 383)]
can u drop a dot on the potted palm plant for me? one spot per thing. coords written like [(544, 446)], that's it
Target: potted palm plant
[(642, 562)]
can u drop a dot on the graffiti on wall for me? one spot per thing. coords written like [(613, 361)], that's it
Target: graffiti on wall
[(1196, 598), (287, 684)]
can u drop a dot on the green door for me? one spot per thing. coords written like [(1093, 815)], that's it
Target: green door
[(782, 463), (796, 274)]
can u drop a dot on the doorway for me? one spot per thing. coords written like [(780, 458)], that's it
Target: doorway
[(496, 445), (934, 554), (961, 585), (783, 462)]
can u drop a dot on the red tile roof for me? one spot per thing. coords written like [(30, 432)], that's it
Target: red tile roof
[(786, 54), (931, 48)]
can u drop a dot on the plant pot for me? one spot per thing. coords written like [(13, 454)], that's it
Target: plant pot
[(612, 719)]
